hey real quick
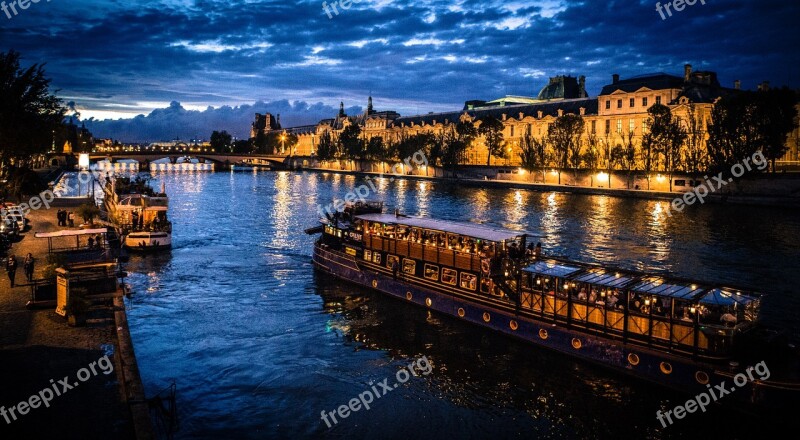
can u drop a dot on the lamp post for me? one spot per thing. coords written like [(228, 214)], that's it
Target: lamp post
[(283, 140)]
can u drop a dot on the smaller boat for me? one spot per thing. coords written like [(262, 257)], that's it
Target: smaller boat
[(148, 241)]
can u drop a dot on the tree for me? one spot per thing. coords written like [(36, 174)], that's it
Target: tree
[(242, 146), (624, 154), (326, 149), (565, 136), (491, 129), (533, 153), (695, 154), (29, 115), (592, 157), (376, 149), (221, 141), (665, 137), (747, 122), (88, 211)]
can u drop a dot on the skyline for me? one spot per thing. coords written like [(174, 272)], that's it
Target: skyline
[(143, 58)]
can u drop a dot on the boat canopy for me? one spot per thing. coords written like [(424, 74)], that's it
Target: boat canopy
[(481, 232), (552, 269), (70, 233), (657, 286), (602, 277), (724, 297)]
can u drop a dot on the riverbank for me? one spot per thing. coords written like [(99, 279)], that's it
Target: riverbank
[(37, 346), (786, 198)]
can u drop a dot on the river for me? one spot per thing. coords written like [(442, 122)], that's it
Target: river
[(259, 343)]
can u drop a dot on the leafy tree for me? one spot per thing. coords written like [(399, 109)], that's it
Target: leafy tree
[(220, 141), (624, 154), (351, 143), (87, 211), (533, 153), (30, 116), (242, 146), (665, 137), (695, 154), (376, 149), (776, 118), (565, 136), (327, 147), (592, 156), (491, 129)]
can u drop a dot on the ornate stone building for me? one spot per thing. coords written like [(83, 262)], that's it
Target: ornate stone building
[(617, 114)]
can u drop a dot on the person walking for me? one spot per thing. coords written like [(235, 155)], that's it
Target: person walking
[(28, 266), (11, 268), (71, 217), (58, 217)]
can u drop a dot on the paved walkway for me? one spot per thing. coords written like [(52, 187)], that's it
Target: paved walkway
[(37, 346)]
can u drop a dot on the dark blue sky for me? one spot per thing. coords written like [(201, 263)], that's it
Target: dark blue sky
[(121, 58)]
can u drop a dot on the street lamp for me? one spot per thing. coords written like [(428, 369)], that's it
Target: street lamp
[(283, 140)]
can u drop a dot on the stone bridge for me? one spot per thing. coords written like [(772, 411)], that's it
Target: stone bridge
[(222, 160)]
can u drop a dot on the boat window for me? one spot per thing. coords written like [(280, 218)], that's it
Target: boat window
[(449, 276), (402, 232), (415, 235), (486, 285), (469, 281), (376, 258), (368, 255), (391, 260), (388, 231), (409, 266), (432, 272)]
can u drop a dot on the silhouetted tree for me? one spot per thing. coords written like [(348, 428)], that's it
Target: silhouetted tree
[(564, 134), (491, 129)]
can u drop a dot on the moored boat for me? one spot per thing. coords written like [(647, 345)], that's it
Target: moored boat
[(140, 214), (679, 333)]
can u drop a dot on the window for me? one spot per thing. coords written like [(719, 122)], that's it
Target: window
[(512, 131), (391, 260), (608, 126), (368, 255), (594, 126), (409, 266), (608, 104), (633, 102), (469, 281), (528, 129), (658, 100), (631, 125), (376, 258), (619, 103), (644, 126), (680, 182), (432, 272), (449, 276), (619, 125), (644, 102)]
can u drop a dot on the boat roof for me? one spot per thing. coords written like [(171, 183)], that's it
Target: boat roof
[(473, 230), (70, 233), (643, 283)]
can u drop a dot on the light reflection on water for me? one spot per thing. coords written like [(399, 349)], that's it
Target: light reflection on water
[(259, 343)]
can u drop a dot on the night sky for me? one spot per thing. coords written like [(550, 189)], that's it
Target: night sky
[(119, 59)]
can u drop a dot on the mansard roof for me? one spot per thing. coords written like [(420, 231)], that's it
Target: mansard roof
[(653, 81), (511, 111)]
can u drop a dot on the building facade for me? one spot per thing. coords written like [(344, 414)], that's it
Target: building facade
[(616, 117)]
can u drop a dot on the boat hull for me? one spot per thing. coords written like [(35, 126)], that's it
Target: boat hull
[(682, 374), (147, 242)]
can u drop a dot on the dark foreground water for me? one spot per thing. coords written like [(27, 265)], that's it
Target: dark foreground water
[(259, 343)]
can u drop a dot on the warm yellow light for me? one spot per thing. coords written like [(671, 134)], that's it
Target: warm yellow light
[(521, 171), (83, 161), (602, 175), (660, 178), (554, 172)]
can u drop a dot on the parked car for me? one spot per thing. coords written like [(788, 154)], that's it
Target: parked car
[(22, 222), (9, 227)]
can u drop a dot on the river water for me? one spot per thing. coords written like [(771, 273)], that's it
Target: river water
[(259, 343)]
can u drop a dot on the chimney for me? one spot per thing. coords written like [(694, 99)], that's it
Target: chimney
[(521, 115), (582, 111), (505, 116), (614, 78), (560, 113), (737, 85), (687, 72), (582, 87), (539, 114)]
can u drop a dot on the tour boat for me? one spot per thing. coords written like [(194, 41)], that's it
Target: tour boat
[(680, 333), (140, 214)]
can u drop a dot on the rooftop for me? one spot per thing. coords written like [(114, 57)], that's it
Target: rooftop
[(473, 230)]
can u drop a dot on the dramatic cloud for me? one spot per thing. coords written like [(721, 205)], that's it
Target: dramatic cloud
[(118, 59)]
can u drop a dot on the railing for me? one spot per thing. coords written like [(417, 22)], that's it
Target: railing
[(424, 252)]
